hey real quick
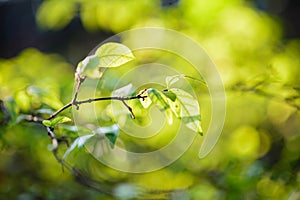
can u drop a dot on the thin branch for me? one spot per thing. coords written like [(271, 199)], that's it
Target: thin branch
[(81, 177), (3, 110), (53, 138), (129, 109), (110, 98), (257, 89), (77, 103), (32, 118), (60, 110), (79, 80)]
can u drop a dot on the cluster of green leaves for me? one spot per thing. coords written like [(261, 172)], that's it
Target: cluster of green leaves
[(94, 14), (174, 101), (171, 101), (38, 104), (106, 56), (57, 120), (25, 94)]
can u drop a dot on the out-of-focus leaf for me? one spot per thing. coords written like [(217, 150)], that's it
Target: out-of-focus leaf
[(20, 118), (23, 101), (56, 120), (32, 90), (69, 128), (4, 114), (10, 111), (114, 54), (52, 100), (60, 119), (79, 142), (73, 130), (170, 80), (48, 96), (55, 14), (123, 91), (44, 111), (126, 191), (47, 123), (110, 132), (189, 110)]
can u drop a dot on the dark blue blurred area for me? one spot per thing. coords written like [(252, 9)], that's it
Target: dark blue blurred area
[(18, 29), (287, 10), (168, 3)]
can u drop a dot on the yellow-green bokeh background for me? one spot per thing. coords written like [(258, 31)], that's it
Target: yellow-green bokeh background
[(257, 156)]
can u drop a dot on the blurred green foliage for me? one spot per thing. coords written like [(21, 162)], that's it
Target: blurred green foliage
[(257, 156)]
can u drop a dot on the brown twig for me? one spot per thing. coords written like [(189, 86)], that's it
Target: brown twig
[(77, 103), (129, 108), (79, 80), (53, 138)]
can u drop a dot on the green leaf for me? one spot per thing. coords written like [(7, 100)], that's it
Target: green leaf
[(110, 132), (20, 118), (89, 67), (72, 131), (34, 91), (44, 95), (146, 102), (114, 54), (44, 111), (123, 91), (55, 14), (158, 98), (56, 120), (92, 140), (4, 114), (47, 123), (10, 110), (175, 107), (70, 128), (60, 120), (108, 55), (126, 191), (23, 101), (170, 80), (189, 110), (79, 142), (170, 95)]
